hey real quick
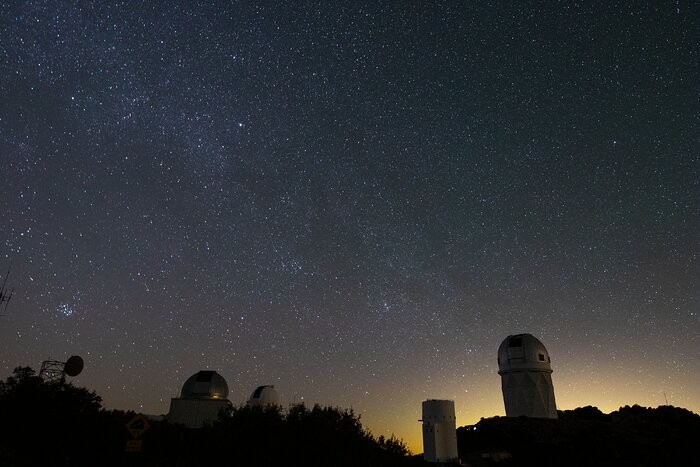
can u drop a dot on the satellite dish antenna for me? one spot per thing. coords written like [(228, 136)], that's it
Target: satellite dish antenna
[(74, 365), (54, 371)]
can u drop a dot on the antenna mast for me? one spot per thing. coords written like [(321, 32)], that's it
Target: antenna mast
[(5, 297)]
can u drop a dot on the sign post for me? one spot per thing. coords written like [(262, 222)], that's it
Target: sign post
[(137, 426)]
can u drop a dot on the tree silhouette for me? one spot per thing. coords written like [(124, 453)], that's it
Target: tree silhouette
[(54, 423)]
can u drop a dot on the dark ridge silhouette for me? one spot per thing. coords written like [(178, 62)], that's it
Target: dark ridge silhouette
[(630, 436)]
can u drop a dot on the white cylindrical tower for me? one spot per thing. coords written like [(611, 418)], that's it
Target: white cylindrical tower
[(439, 431), (526, 377), (263, 396)]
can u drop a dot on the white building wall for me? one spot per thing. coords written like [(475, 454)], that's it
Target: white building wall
[(529, 394), (195, 413), (439, 431)]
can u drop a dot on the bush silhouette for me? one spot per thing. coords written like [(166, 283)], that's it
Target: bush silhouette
[(54, 423), (58, 424)]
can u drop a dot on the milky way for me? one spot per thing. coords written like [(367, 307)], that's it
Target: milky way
[(353, 201)]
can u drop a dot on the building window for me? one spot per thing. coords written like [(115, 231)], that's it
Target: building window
[(541, 357), (515, 342)]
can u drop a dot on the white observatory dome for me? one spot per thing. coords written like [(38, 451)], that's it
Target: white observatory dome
[(264, 395), (523, 351), (205, 384)]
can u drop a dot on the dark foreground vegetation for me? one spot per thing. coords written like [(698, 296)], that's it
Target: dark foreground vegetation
[(55, 424), (630, 436)]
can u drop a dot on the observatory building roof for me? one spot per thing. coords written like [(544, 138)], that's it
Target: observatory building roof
[(205, 384), (523, 351), (264, 395)]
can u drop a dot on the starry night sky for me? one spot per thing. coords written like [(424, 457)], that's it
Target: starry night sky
[(354, 201)]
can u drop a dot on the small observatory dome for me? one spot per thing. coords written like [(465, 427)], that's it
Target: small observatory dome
[(523, 351), (205, 384), (264, 395)]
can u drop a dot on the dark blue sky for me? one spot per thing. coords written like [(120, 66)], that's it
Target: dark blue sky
[(353, 201)]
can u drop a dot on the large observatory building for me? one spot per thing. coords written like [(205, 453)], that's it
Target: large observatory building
[(203, 395), (526, 377)]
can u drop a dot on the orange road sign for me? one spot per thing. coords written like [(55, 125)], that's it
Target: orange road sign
[(134, 445), (138, 425)]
